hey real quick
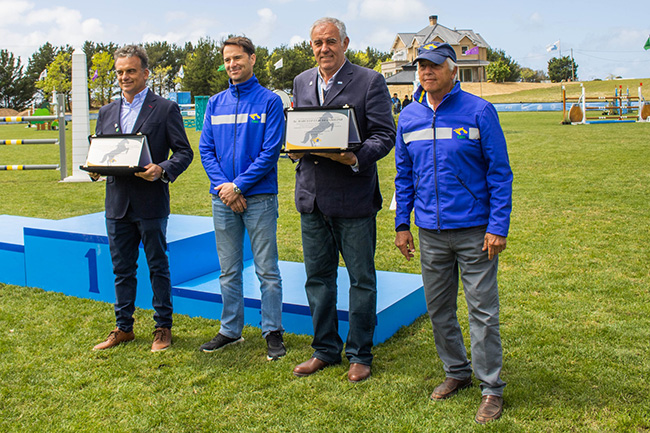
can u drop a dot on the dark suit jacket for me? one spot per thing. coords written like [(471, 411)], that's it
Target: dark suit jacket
[(336, 188), (162, 122)]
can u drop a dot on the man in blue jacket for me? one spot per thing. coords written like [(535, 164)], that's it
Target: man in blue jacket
[(453, 169), (240, 145)]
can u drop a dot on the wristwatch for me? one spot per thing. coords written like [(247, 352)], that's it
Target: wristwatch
[(236, 189)]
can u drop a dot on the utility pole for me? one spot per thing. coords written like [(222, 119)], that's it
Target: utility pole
[(573, 76)]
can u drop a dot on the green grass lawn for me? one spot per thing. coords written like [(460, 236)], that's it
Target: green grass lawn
[(575, 316)]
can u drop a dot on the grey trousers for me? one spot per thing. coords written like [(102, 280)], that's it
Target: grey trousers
[(442, 254)]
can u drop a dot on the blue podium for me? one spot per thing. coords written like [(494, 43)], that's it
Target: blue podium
[(72, 256)]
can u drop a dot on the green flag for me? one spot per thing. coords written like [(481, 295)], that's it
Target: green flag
[(223, 67), (647, 44)]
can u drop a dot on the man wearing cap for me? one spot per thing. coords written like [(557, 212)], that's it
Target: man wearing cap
[(453, 170)]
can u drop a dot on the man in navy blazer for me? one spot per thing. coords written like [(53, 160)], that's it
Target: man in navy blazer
[(137, 206), (337, 195)]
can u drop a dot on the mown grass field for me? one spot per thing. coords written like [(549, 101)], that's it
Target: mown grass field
[(574, 311)]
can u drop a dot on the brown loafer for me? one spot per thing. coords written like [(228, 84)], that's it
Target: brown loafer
[(358, 372), (490, 409), (309, 367), (162, 339), (449, 387), (117, 336)]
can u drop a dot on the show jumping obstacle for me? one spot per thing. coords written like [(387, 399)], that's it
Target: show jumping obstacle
[(60, 116), (619, 108)]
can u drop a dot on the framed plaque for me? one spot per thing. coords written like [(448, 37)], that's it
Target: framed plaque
[(117, 154), (321, 129)]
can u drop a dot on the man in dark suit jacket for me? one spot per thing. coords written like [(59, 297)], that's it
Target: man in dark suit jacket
[(137, 206), (337, 195)]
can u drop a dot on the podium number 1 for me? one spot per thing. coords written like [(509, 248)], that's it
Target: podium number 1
[(91, 255)]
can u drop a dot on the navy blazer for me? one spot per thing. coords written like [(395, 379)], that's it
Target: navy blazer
[(162, 122), (334, 187)]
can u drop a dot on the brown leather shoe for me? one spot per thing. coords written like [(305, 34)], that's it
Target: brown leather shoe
[(449, 387), (162, 339), (309, 367), (490, 409), (117, 336), (358, 372)]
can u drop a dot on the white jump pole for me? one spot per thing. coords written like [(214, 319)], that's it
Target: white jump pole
[(584, 105), (80, 117)]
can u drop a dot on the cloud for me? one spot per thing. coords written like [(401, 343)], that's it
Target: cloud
[(393, 10), (261, 30), (381, 39), (295, 40), (13, 12)]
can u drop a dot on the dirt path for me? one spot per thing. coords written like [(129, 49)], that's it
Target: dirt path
[(487, 89)]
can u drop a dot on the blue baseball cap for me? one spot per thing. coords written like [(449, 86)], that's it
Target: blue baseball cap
[(436, 52)]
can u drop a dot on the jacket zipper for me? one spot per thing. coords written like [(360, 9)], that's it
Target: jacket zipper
[(465, 186), (435, 170), (234, 145)]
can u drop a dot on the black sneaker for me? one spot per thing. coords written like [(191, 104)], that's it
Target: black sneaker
[(275, 346), (218, 342)]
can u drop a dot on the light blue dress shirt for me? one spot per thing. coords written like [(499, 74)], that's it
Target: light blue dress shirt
[(129, 112)]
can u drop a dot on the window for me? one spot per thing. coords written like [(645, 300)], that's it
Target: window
[(464, 48), (465, 75)]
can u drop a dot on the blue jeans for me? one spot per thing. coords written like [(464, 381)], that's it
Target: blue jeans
[(322, 240), (260, 219), (442, 253), (124, 236)]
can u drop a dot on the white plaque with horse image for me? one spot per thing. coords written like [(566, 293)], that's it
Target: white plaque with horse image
[(321, 129), (117, 154)]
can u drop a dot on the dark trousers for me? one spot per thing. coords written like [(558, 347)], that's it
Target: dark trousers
[(124, 237), (322, 240)]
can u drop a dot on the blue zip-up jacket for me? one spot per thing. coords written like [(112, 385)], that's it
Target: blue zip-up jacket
[(242, 138), (452, 165)]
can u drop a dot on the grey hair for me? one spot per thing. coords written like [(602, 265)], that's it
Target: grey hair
[(133, 51), (340, 25), (451, 64)]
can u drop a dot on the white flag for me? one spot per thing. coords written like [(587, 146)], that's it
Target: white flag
[(181, 73), (43, 75), (278, 64), (553, 47)]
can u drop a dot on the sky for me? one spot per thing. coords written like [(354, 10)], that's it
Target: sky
[(604, 41)]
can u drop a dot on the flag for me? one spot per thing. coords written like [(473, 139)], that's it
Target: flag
[(95, 75), (471, 51), (647, 44), (221, 68), (553, 46), (279, 64), (181, 72), (43, 75)]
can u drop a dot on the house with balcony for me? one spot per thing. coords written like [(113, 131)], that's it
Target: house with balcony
[(399, 72)]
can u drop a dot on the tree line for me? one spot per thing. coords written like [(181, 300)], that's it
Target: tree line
[(503, 68), (193, 67)]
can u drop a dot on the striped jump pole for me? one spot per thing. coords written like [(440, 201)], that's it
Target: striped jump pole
[(29, 167), (60, 116), (30, 141), (16, 119)]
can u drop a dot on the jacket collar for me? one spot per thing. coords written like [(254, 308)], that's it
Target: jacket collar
[(147, 109), (341, 80), (243, 88), (420, 94)]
